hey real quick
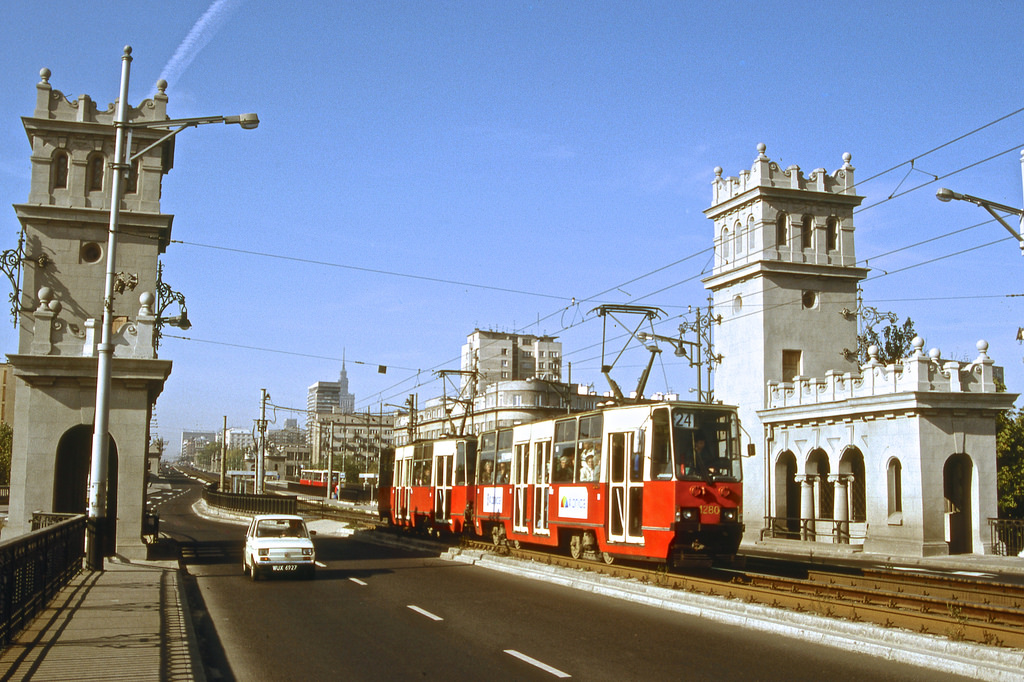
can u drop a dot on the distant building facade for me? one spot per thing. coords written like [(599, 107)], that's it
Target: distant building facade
[(489, 357), (325, 397)]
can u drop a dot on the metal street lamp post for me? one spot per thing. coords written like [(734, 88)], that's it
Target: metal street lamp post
[(949, 195), (97, 522)]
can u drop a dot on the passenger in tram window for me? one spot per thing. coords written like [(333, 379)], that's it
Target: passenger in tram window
[(487, 472), (502, 472), (588, 470), (563, 474)]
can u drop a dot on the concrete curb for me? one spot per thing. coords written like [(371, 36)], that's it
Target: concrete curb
[(927, 651)]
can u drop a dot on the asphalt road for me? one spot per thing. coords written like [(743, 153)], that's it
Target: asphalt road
[(381, 613)]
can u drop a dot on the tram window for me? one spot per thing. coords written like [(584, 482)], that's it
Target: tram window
[(564, 467), (618, 456), (488, 442), (460, 463), (661, 446), (589, 449), (503, 462)]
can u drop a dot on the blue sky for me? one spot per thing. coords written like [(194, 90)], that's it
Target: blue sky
[(547, 150)]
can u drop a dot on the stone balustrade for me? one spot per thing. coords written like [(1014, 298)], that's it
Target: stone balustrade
[(917, 373)]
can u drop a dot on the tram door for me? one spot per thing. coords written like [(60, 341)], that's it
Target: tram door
[(521, 489), (541, 487), (403, 492), (443, 468), (626, 490)]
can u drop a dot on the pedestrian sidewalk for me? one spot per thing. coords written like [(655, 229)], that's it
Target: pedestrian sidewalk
[(129, 622)]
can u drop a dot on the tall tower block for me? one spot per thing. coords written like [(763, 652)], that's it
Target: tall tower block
[(785, 284)]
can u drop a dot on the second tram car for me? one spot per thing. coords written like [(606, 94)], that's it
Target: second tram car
[(657, 481)]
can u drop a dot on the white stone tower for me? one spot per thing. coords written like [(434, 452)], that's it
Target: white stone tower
[(64, 224), (785, 284)]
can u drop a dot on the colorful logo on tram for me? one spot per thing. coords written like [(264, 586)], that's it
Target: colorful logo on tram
[(572, 503)]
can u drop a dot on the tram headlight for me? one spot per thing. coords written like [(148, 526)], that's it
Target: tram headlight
[(687, 514), (729, 515)]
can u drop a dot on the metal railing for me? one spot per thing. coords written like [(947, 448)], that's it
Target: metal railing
[(1007, 536), (5, 494), (813, 530), (34, 567), (252, 504)]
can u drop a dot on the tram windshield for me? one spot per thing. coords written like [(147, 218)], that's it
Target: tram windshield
[(705, 444)]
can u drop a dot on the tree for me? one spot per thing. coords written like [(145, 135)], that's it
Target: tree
[(1010, 463), (6, 439), (894, 343)]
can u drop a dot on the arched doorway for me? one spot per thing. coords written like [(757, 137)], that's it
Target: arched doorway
[(851, 468), (818, 466), (957, 478), (71, 478), (787, 497)]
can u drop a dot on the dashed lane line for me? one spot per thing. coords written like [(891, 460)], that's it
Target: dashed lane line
[(537, 664), (424, 612), (357, 581)]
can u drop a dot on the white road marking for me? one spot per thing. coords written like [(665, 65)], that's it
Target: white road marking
[(320, 564), (424, 612), (357, 581), (534, 662)]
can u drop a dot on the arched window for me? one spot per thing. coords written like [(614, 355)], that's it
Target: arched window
[(787, 498), (894, 478), (832, 233), (781, 229), (59, 170), (740, 238), (806, 230), (725, 245), (751, 241), (94, 173)]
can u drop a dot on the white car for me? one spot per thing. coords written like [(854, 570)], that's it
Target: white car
[(278, 544)]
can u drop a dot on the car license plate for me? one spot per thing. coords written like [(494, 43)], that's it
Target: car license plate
[(290, 567)]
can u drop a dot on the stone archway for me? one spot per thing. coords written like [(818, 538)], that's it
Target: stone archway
[(71, 477), (957, 480), (787, 497)]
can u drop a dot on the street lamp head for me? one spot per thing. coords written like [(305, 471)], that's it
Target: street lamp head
[(946, 194), (247, 121)]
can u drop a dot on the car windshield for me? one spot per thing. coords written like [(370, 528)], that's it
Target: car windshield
[(281, 528)]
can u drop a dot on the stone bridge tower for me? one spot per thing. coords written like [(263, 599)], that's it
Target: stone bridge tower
[(785, 284), (64, 227)]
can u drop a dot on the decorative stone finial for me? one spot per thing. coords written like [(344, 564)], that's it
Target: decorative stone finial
[(54, 306), (935, 354), (146, 299), (44, 75), (161, 86), (872, 354), (718, 171), (761, 147), (847, 156), (983, 358), (45, 295), (918, 344)]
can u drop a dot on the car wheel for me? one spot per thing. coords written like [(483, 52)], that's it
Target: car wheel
[(254, 573)]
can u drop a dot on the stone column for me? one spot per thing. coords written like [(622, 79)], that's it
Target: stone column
[(841, 510), (807, 507)]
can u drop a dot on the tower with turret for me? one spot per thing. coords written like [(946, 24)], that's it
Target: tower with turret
[(59, 306)]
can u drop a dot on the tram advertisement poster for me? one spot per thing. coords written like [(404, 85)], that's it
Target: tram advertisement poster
[(492, 501), (572, 503)]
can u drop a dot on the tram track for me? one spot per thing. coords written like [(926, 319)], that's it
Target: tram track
[(960, 610)]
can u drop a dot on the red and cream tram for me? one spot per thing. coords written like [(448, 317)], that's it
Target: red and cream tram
[(656, 481)]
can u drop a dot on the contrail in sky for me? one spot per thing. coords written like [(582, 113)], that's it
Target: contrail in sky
[(199, 37)]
